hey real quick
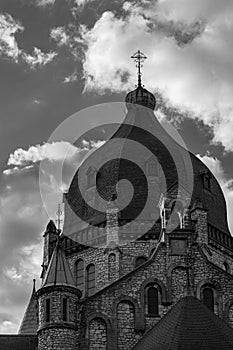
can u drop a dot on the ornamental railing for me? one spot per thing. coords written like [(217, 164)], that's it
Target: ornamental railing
[(220, 237)]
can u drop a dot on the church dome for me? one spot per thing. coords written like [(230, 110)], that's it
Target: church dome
[(141, 126), (140, 96)]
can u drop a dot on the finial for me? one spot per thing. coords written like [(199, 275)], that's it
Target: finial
[(59, 214), (139, 58), (34, 286)]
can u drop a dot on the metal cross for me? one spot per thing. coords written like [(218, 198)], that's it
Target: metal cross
[(59, 214), (139, 58)]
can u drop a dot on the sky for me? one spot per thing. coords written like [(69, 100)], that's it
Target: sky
[(58, 57)]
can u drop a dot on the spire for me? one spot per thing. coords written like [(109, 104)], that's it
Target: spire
[(29, 323), (139, 58), (34, 286), (51, 227), (58, 272), (140, 95), (59, 215)]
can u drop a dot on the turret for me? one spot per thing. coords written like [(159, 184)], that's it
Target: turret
[(58, 299), (29, 323), (50, 238)]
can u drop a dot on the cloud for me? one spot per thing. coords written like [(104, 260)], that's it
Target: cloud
[(43, 3), (82, 2), (71, 78), (52, 151), (190, 57), (22, 220), (9, 48), (16, 169), (8, 29), (60, 35), (38, 57), (69, 36), (226, 184)]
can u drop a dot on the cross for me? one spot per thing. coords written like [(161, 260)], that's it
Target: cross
[(139, 57), (59, 214)]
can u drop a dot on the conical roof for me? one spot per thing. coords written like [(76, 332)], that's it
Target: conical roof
[(29, 323), (189, 325), (58, 272)]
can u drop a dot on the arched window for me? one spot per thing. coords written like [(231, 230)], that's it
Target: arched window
[(79, 274), (152, 297), (90, 279), (140, 260), (91, 177), (153, 301), (208, 298)]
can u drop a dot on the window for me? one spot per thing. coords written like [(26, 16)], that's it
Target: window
[(152, 301), (140, 260), (208, 298), (47, 310), (90, 279), (79, 273), (64, 309), (91, 177), (207, 181)]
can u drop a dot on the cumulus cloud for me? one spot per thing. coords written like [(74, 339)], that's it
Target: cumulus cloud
[(9, 27), (82, 2), (22, 220), (226, 184), (38, 57), (51, 151), (23, 217), (71, 78), (43, 3), (60, 35), (9, 48), (190, 57), (70, 36)]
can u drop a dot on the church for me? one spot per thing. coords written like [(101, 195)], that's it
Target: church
[(155, 273)]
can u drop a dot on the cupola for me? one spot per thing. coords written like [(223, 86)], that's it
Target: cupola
[(140, 95)]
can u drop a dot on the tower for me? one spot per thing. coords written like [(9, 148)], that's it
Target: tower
[(58, 298), (50, 238)]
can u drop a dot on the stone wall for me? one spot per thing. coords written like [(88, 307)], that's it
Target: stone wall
[(57, 333), (97, 334), (125, 260), (129, 290), (57, 339)]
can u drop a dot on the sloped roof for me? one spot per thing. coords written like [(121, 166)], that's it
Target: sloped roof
[(18, 342), (189, 325), (58, 272), (29, 323)]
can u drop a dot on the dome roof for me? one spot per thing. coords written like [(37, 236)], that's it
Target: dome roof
[(139, 123), (140, 96)]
